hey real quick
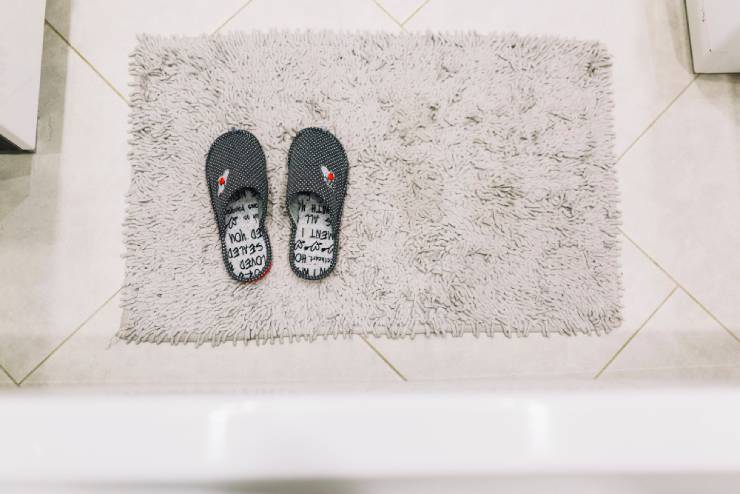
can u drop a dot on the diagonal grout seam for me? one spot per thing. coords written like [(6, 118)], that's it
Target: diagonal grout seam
[(12, 379), (239, 11), (655, 120), (390, 16), (104, 79), (632, 337), (416, 11), (89, 64), (383, 358), (643, 251), (68, 337), (681, 286)]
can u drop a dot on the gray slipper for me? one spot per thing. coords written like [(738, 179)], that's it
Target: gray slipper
[(236, 172), (317, 184)]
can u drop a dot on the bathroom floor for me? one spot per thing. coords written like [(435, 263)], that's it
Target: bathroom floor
[(678, 148)]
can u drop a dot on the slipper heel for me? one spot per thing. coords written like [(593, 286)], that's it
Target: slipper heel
[(317, 184), (236, 173)]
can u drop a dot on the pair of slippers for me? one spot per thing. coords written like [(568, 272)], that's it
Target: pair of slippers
[(236, 171)]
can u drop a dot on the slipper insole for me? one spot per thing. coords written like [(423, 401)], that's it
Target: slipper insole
[(244, 240), (313, 251)]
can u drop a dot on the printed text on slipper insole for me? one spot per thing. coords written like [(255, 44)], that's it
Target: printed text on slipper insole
[(245, 244), (314, 239)]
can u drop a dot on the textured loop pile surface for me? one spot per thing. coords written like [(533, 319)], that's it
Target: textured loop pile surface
[(482, 196)]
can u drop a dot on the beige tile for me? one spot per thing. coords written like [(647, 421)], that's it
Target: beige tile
[(569, 357), (61, 216), (401, 10), (105, 31), (681, 194), (93, 357), (346, 15), (681, 340), (648, 40)]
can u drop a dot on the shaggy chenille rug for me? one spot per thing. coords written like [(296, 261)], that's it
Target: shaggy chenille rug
[(482, 194)]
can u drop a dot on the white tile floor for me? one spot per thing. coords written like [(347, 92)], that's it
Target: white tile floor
[(678, 142)]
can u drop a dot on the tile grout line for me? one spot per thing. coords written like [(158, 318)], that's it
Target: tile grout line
[(69, 336), (669, 275), (89, 64), (632, 336), (681, 286), (248, 2), (655, 120), (12, 379), (416, 11), (390, 16), (709, 313), (383, 358)]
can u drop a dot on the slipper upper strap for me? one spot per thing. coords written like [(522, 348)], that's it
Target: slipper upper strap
[(235, 162), (318, 165)]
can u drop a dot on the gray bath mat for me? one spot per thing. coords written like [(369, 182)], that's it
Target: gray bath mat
[(482, 197)]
